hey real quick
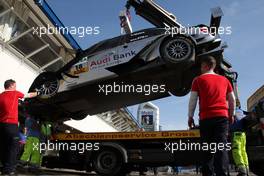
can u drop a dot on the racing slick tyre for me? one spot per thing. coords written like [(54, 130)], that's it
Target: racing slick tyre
[(108, 162), (47, 84), (177, 50)]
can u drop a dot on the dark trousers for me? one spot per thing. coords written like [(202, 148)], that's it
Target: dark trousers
[(215, 130), (8, 146)]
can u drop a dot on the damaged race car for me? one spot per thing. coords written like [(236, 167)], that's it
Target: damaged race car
[(118, 72)]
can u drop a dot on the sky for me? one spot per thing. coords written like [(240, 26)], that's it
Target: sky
[(245, 44)]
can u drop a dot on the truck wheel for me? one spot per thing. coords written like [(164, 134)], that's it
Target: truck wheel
[(108, 162), (177, 50), (257, 168)]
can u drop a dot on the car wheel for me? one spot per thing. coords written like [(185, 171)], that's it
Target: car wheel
[(48, 84), (177, 50), (108, 162)]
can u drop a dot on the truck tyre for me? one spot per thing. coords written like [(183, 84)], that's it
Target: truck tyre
[(257, 168), (108, 162), (177, 50)]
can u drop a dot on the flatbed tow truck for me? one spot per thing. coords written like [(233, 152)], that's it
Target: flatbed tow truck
[(118, 153)]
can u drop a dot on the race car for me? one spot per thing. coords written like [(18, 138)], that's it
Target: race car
[(129, 69)]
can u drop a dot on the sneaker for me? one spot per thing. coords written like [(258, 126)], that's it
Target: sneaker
[(241, 174), (22, 163), (247, 170), (34, 168), (242, 171)]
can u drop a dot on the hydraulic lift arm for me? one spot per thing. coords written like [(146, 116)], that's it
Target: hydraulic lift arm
[(232, 77), (235, 88), (153, 13), (159, 17)]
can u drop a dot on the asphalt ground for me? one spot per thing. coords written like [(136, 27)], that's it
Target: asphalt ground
[(47, 172)]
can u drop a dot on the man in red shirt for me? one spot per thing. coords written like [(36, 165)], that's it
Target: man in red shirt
[(217, 108), (9, 125)]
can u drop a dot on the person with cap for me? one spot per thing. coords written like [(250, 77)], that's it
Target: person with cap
[(22, 140), (31, 154), (239, 143)]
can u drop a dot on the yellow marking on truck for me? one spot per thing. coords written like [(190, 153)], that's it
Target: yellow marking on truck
[(129, 135)]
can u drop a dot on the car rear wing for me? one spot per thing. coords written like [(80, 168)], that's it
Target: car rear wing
[(216, 16), (153, 13)]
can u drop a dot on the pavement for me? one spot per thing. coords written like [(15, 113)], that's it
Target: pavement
[(68, 172), (47, 172)]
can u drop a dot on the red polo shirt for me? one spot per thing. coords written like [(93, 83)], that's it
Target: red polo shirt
[(212, 90), (9, 106)]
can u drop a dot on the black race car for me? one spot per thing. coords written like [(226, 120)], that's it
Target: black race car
[(128, 69)]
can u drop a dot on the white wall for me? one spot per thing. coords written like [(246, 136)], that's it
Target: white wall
[(91, 124), (13, 68)]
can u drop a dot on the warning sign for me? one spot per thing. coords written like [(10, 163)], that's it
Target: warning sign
[(129, 135)]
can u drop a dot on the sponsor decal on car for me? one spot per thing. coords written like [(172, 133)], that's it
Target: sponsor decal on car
[(80, 67), (139, 38), (124, 55), (102, 61), (137, 33), (110, 59)]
